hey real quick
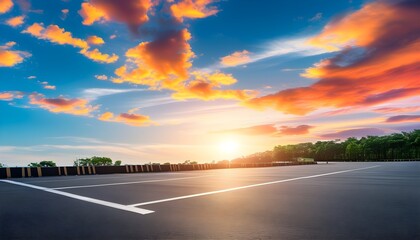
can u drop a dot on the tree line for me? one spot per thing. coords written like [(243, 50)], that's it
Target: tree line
[(404, 145), (96, 161), (92, 161)]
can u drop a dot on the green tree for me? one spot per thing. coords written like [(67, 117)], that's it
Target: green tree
[(83, 162), (48, 164), (43, 164), (118, 163), (34, 164), (101, 161), (94, 161), (1, 165)]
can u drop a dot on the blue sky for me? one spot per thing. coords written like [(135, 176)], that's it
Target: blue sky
[(195, 75)]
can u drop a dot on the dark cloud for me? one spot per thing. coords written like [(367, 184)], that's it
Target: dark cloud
[(359, 132), (403, 118)]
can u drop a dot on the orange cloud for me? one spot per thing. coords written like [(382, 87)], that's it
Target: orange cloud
[(50, 87), (206, 86), (10, 58), (132, 119), (380, 64), (8, 96), (15, 21), (95, 40), (73, 106), (5, 5), (97, 56), (163, 62), (55, 34), (107, 116), (360, 28), (133, 12), (101, 77), (403, 118), (236, 58), (58, 35), (192, 9), (91, 14)]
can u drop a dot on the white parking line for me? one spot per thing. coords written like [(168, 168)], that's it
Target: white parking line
[(82, 198), (247, 186), (126, 183), (91, 177)]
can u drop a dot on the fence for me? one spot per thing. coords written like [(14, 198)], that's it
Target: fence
[(22, 172)]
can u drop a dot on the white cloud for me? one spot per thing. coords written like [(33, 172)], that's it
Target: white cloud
[(280, 47), (92, 94)]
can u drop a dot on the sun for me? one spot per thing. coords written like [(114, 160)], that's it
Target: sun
[(229, 147)]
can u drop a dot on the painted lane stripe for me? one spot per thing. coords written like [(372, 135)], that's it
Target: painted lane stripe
[(85, 199), (247, 186), (90, 177), (126, 183)]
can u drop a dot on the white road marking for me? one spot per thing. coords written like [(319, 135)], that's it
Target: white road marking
[(82, 198), (90, 177), (126, 183), (247, 186)]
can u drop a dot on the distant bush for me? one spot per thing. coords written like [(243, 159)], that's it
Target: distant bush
[(43, 164), (187, 162), (96, 161)]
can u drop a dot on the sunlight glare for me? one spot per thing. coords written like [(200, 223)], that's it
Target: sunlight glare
[(229, 146)]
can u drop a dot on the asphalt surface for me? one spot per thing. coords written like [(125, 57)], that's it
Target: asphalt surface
[(334, 201)]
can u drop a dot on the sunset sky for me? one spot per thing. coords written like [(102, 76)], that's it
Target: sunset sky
[(174, 80)]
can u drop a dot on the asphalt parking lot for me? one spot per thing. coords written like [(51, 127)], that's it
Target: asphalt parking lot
[(324, 201)]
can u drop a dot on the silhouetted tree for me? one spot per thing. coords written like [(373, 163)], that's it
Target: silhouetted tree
[(405, 145)]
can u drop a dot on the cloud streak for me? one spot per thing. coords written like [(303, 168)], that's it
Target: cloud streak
[(93, 94), (270, 129), (280, 47), (403, 118), (358, 132)]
